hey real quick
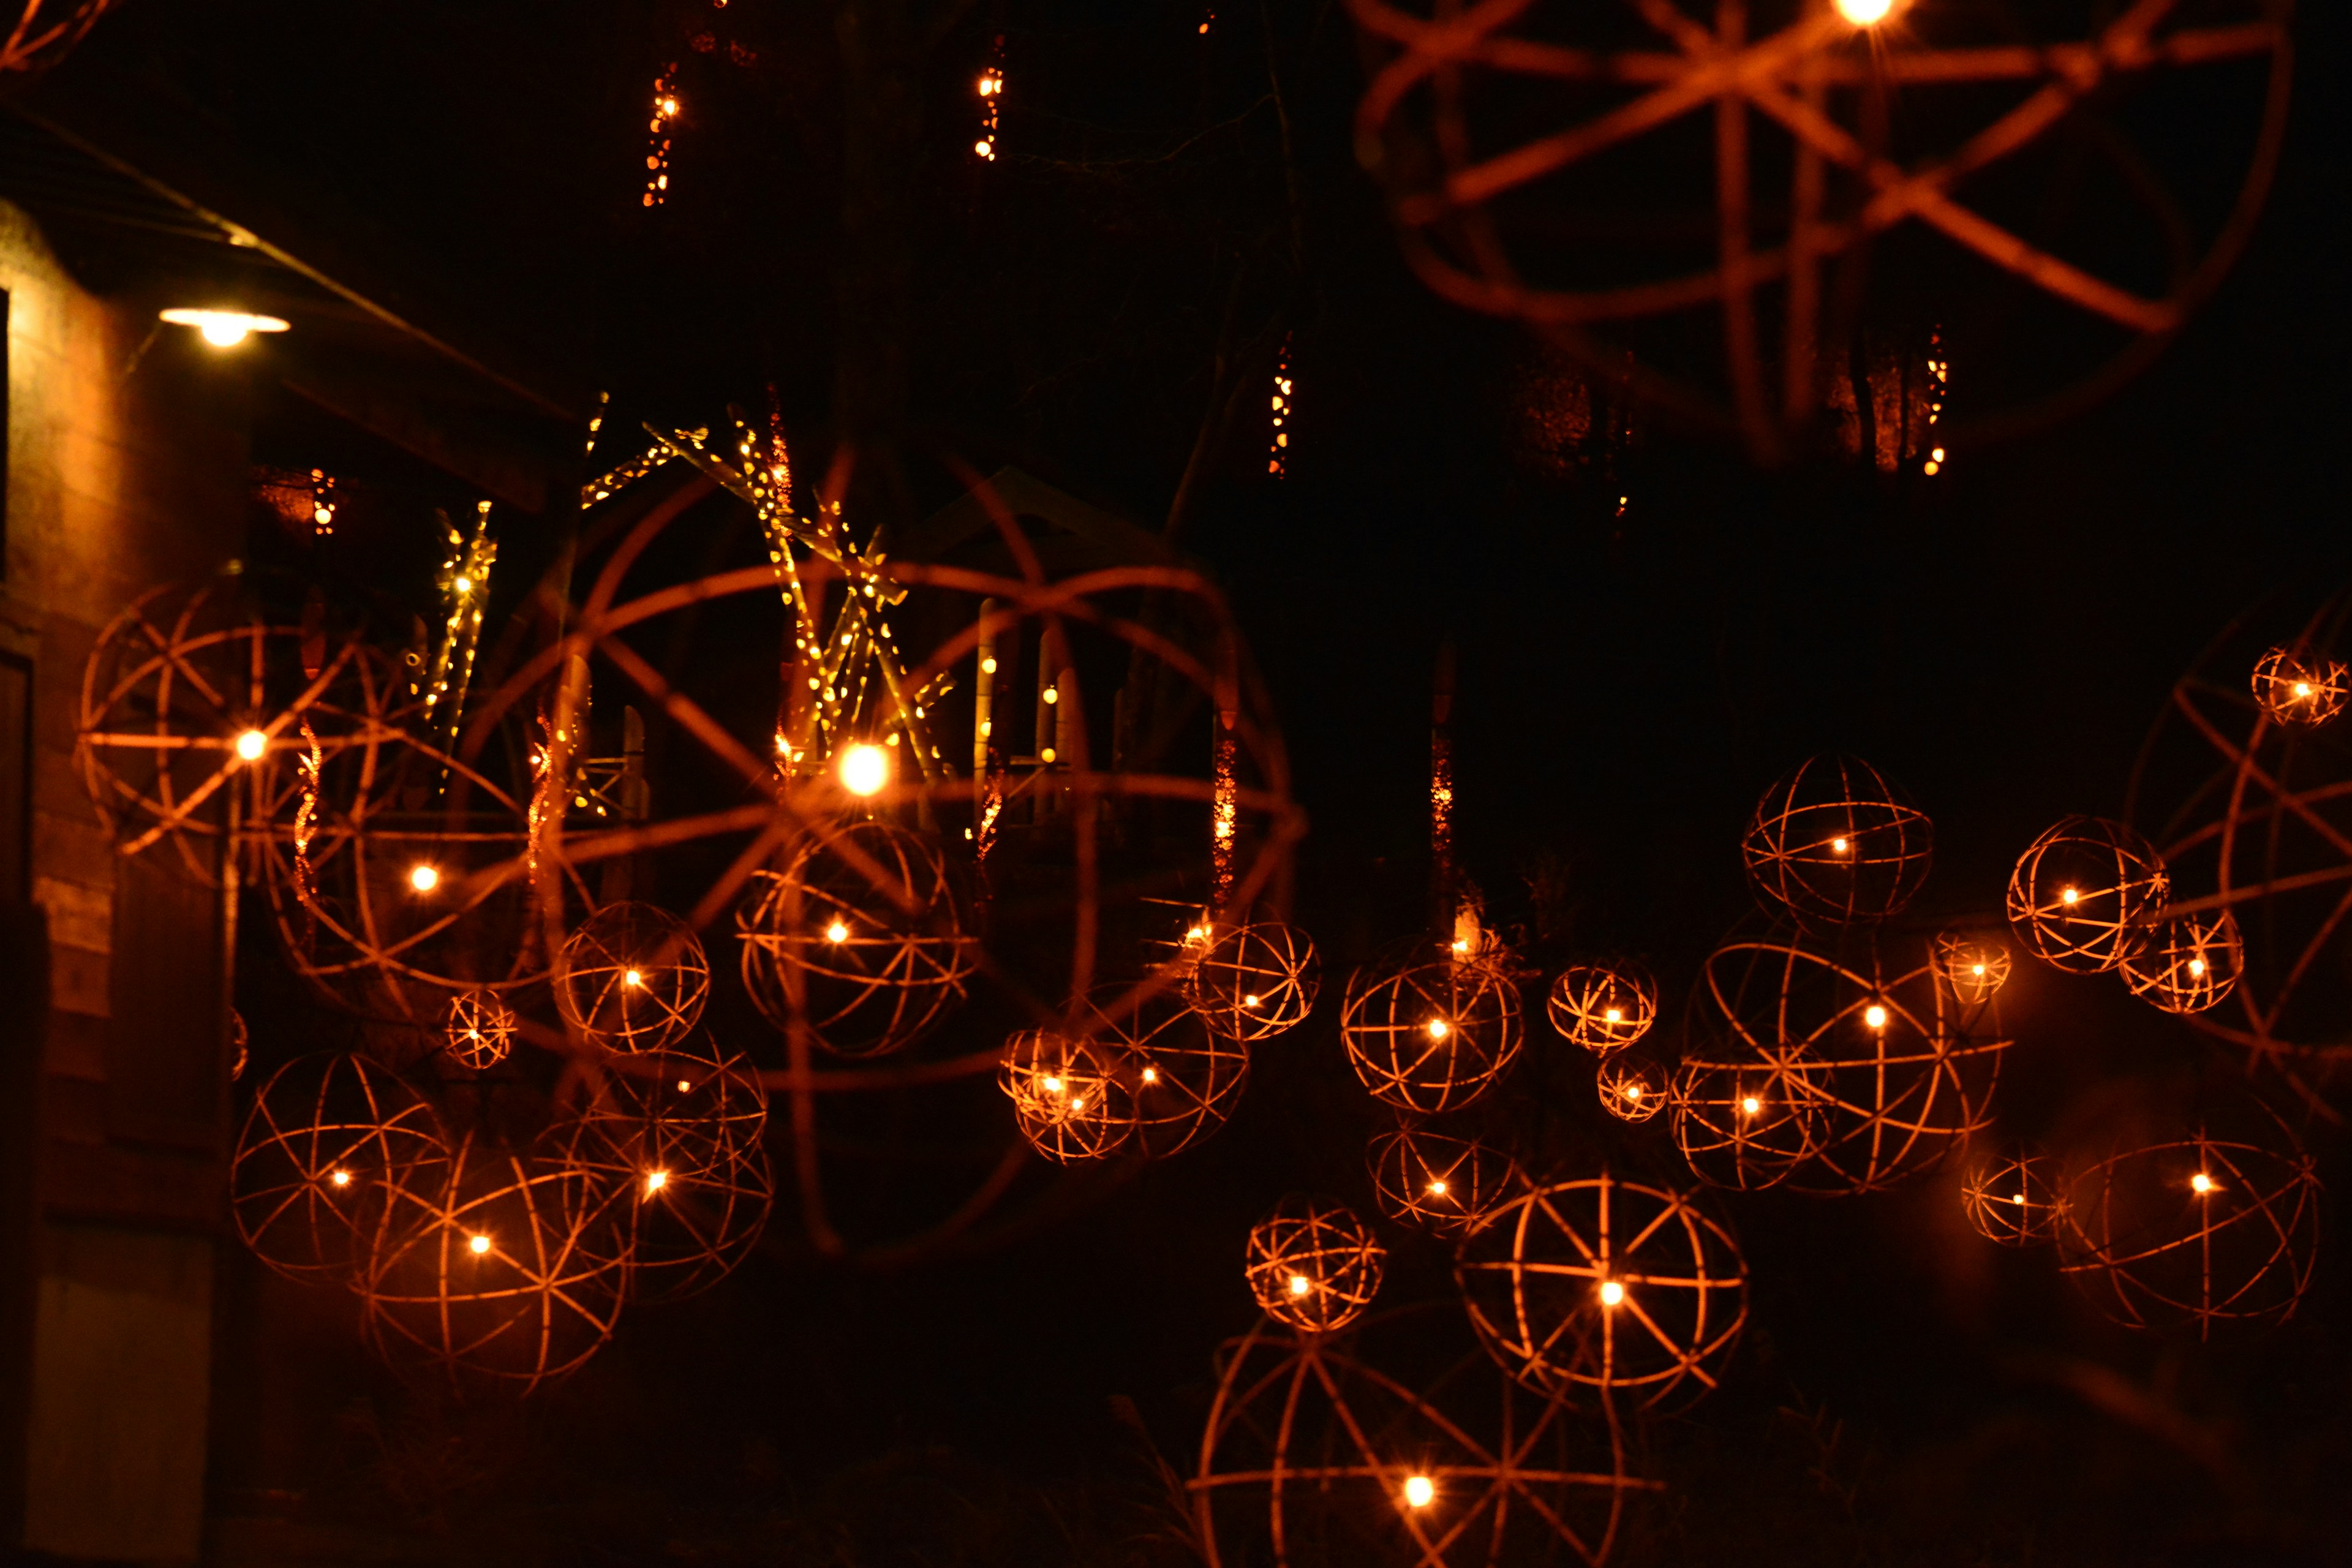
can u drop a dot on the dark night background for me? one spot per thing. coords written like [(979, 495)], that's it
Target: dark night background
[(1999, 638)]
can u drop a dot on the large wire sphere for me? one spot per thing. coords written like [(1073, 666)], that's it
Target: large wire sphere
[(1900, 1072), (1313, 1456), (632, 978), (1313, 1265), (2013, 1194), (482, 1028), (1603, 1006), (502, 1275), (1436, 1182), (2082, 894), (1254, 982), (2210, 1227), (1605, 1285), (1069, 1094), (1431, 1036), (1974, 967), (332, 1138), (2190, 961), (859, 936), (1182, 1079), (1835, 843), (1633, 1086), (2300, 689), (675, 1143)]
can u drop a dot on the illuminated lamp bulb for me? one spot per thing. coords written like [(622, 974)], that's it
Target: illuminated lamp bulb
[(424, 877), (988, 666), (686, 1086), (1437, 1187), (1053, 1086), (478, 1244), (340, 1178), (656, 1180), (1978, 970), (2196, 966), (1439, 1028), (2068, 895), (837, 931), (223, 328), (1249, 1001), (2303, 688), (865, 770), (463, 585), (1751, 1105), (633, 978), (1612, 1292), (1151, 1075), (1633, 1091), (251, 744), (1419, 1491), (1865, 13), (1053, 695), (1615, 1015), (1837, 846), (2201, 1183), (1875, 1015), (1299, 1286)]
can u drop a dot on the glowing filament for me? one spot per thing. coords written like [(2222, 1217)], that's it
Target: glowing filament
[(2068, 895), (1053, 1086), (1875, 1015), (2196, 966), (1633, 1091), (1299, 1285), (2201, 1183), (1437, 1188), (479, 1244), (2303, 688), (686, 1086), (1612, 1292), (1837, 846), (251, 744), (224, 329), (1615, 1015), (340, 1178), (836, 931), (424, 877), (633, 978), (1865, 13), (865, 770), (1419, 1491), (1439, 1028), (1151, 1075), (1053, 695), (656, 1180), (1751, 1105)]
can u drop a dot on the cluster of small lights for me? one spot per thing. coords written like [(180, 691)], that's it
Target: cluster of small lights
[(991, 100), (1278, 455), (322, 503), (607, 486), (1939, 376), (1224, 815), (664, 114), (465, 582), (306, 825)]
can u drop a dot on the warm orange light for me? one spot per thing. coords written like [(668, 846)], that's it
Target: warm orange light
[(251, 744), (656, 1180), (1439, 1028), (1633, 1091), (479, 1244), (1151, 1075), (1053, 1086), (633, 978), (1249, 1001), (837, 931), (2068, 895), (1419, 1491), (1053, 695), (686, 1086), (223, 328), (1865, 13), (1612, 1292), (2018, 1200), (424, 877), (2201, 1183), (1437, 1188), (1615, 1015), (1875, 1015), (1299, 1285), (1751, 1105), (1978, 970), (2196, 966), (1837, 846), (865, 770), (340, 1178), (2303, 688)]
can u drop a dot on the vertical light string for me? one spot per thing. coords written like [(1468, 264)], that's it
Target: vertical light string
[(1440, 795), (1939, 376), (322, 504), (306, 828), (664, 114), (465, 584), (1278, 455), (992, 102)]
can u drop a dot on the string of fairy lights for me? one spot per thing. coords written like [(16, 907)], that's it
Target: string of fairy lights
[(992, 103), (1278, 461), (664, 115)]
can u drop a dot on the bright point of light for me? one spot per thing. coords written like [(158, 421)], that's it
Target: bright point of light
[(836, 931), (686, 1086), (424, 877), (1837, 846), (1437, 1188), (2303, 688), (988, 666), (1865, 13), (464, 585), (1439, 1028), (865, 770), (1978, 970), (1633, 1091), (2200, 1182), (656, 1180), (2018, 1200), (1151, 1075), (2069, 895), (1053, 695), (633, 978), (1461, 944), (1298, 1285), (1419, 1491), (1612, 1292), (224, 329), (251, 744), (1053, 1086), (479, 1244), (340, 1178), (1615, 1015), (1875, 1015), (2196, 966), (1751, 1105), (1249, 1001)]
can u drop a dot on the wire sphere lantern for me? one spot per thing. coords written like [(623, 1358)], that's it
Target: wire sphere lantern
[(1436, 1182), (2211, 1227), (1315, 1455), (482, 1028), (1068, 1093), (632, 978), (2013, 1196), (859, 936), (1603, 1007), (503, 1275), (1608, 1286), (2189, 962), (1430, 1036), (674, 1145), (1633, 1086), (1313, 1265), (332, 1138), (1182, 1079), (1974, 967), (2300, 691), (1253, 982), (1835, 843), (1745, 1121), (2085, 893)]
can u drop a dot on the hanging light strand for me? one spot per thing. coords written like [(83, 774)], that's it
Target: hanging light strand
[(664, 115), (991, 103), (465, 582), (1939, 373), (1278, 461)]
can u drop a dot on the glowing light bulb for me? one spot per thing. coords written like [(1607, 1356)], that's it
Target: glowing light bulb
[(1612, 1292), (1875, 1015), (479, 1244), (1865, 13), (1053, 1086), (2196, 966), (463, 585), (2303, 688), (1437, 1188), (631, 977), (424, 877), (1249, 1001), (836, 931), (1751, 1105), (2018, 1200), (1419, 1491), (2201, 1183), (1978, 970), (1615, 1015), (686, 1086), (1633, 1091), (251, 744), (1837, 846), (223, 328), (865, 770), (1461, 944), (1053, 695), (2068, 895), (1299, 1285), (1439, 1028), (988, 666), (340, 1178), (1151, 1075), (656, 1180)]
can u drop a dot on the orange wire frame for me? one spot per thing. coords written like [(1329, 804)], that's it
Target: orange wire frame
[(1433, 1031), (1445, 185), (2012, 1194), (1313, 1265), (44, 30), (2084, 895), (1310, 1455), (1436, 1182), (1835, 843)]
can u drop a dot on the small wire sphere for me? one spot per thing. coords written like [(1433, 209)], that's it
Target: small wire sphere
[(1633, 1086), (482, 1028), (2190, 961), (1836, 843), (1254, 982), (1747, 1121), (1069, 1096), (1313, 1265), (2298, 690), (632, 978), (2013, 1196), (502, 1275), (1605, 1285), (1974, 967), (1435, 1182), (1432, 1035), (1182, 1079), (2209, 1228), (859, 936), (330, 1139), (1603, 1007), (2083, 893), (676, 1145)]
